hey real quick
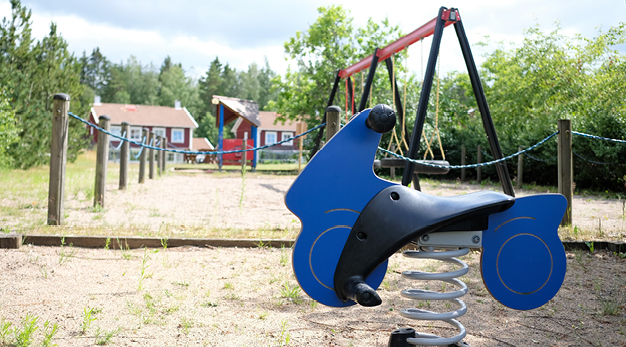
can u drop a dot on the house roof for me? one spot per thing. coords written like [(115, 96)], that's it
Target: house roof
[(268, 122), (144, 115), (202, 144), (234, 108)]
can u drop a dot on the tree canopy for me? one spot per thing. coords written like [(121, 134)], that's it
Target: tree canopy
[(31, 73)]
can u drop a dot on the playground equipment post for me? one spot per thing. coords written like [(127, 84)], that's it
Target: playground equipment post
[(333, 121), (565, 167), (151, 142), (58, 158), (102, 158), (142, 158), (124, 156), (244, 146), (462, 163), (479, 170), (520, 168)]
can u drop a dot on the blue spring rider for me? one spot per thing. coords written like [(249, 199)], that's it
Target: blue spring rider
[(353, 221)]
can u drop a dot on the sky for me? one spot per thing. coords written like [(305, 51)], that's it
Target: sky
[(239, 32)]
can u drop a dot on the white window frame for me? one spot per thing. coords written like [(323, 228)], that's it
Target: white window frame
[(175, 138), (267, 134), (159, 132), (116, 130), (135, 134), (285, 135)]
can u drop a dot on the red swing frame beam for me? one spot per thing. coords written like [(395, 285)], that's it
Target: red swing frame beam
[(400, 44)]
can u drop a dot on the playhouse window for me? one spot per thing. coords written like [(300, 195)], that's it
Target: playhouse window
[(135, 134), (159, 131), (286, 135), (116, 130), (270, 137), (178, 135)]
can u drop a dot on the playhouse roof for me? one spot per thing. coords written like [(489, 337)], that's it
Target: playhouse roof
[(234, 108), (269, 122), (144, 115), (202, 144)]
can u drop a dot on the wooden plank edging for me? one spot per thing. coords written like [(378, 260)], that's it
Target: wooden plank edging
[(133, 242)]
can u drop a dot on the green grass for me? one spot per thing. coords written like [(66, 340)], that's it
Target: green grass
[(25, 192)]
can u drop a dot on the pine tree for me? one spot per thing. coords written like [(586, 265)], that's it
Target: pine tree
[(32, 74)]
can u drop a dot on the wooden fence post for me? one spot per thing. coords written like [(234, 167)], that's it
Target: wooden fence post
[(102, 158), (244, 145), (124, 156), (58, 158), (520, 167), (164, 151), (301, 128), (159, 155), (151, 142), (479, 170), (333, 121), (565, 167), (142, 157), (392, 170), (462, 163)]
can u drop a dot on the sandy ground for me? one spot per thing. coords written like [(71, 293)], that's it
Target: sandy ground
[(249, 297), (202, 204)]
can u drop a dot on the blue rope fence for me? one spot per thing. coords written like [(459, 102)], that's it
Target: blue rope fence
[(190, 152), (118, 146), (594, 162), (539, 159), (598, 137), (419, 162), (425, 163)]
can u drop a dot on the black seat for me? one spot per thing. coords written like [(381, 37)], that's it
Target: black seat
[(394, 217)]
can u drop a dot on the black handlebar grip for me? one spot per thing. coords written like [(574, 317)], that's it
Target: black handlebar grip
[(381, 119)]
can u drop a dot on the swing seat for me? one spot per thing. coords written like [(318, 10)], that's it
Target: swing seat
[(423, 169)]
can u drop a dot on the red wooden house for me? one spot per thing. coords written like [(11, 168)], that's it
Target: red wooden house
[(175, 123), (271, 131)]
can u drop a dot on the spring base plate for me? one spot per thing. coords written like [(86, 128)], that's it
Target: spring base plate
[(398, 338)]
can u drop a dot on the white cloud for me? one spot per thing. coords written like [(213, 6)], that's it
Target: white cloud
[(241, 32)]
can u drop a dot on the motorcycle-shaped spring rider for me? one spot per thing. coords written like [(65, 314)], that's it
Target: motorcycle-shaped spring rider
[(353, 221)]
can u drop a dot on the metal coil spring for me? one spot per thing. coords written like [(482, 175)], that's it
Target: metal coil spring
[(420, 294)]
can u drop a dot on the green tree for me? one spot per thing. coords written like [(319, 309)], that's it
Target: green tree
[(9, 131), (174, 85), (32, 74), (317, 53), (266, 92), (331, 43), (552, 76)]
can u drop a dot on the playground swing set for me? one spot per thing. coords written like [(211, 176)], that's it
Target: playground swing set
[(353, 221)]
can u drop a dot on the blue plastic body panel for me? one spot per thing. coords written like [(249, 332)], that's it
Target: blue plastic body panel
[(328, 197), (523, 262)]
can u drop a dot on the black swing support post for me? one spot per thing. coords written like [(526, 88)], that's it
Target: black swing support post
[(350, 94), (369, 81), (479, 94), (400, 112), (422, 107), (394, 85), (483, 107)]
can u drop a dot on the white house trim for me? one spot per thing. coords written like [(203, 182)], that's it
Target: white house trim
[(236, 126), (190, 117)]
